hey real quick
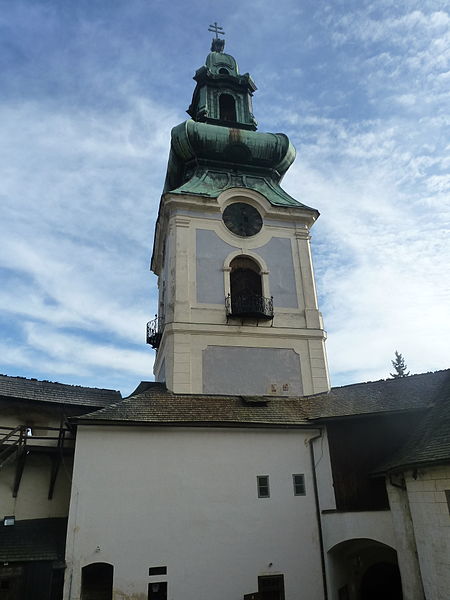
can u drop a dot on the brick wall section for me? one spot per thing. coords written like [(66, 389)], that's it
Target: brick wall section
[(431, 519)]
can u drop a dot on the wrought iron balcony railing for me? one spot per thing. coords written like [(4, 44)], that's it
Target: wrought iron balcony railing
[(249, 306), (155, 331)]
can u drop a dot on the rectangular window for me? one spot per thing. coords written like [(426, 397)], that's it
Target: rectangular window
[(299, 485), (157, 571), (263, 486)]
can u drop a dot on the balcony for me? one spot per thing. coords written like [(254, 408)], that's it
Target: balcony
[(249, 306), (155, 331)]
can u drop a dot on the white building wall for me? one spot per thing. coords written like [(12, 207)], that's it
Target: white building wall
[(343, 526), (194, 271), (322, 463), (431, 519), (405, 540), (187, 499), (32, 499)]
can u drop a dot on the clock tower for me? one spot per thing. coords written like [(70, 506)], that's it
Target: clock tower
[(237, 308)]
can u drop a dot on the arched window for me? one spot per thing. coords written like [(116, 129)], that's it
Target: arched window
[(246, 297), (97, 581), (227, 107), (224, 71)]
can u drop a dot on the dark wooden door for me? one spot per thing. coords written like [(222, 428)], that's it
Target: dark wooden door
[(271, 587), (11, 582)]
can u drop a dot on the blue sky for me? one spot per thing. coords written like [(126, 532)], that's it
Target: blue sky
[(89, 91)]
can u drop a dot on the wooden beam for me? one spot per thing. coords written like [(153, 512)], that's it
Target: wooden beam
[(56, 462)]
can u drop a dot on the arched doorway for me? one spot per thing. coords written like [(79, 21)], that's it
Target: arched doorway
[(97, 581), (364, 569)]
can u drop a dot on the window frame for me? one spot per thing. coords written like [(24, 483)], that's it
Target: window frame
[(260, 485), (264, 272), (297, 485)]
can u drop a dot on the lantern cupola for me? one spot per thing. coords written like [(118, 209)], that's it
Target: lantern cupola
[(222, 95)]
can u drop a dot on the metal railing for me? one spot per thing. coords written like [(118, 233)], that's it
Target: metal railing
[(155, 331), (249, 306)]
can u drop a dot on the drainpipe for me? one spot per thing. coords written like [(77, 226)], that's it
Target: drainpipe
[(319, 521)]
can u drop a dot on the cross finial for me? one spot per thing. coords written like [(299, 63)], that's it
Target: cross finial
[(217, 29), (217, 44)]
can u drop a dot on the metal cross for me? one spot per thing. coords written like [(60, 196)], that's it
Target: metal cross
[(217, 29)]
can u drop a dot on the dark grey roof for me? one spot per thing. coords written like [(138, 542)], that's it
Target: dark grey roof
[(152, 403), (429, 443), (387, 395), (33, 539), (21, 388), (157, 406)]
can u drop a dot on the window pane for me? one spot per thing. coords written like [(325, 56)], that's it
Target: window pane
[(263, 486), (299, 485)]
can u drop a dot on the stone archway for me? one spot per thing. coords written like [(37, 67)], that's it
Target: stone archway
[(364, 569)]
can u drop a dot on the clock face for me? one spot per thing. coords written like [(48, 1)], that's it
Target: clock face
[(242, 219)]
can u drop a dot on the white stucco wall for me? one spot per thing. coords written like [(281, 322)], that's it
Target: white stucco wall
[(374, 525), (194, 271), (431, 520), (187, 499), (324, 474), (32, 499), (404, 538)]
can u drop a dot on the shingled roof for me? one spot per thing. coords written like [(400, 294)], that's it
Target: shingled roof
[(33, 539), (20, 388), (429, 443), (158, 406), (375, 397), (152, 403)]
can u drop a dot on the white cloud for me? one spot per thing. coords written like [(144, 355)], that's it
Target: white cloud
[(77, 351), (86, 127), (79, 200)]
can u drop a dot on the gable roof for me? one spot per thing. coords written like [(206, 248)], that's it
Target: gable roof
[(158, 406), (377, 397), (20, 388)]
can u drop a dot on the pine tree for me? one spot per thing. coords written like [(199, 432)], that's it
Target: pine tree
[(399, 366)]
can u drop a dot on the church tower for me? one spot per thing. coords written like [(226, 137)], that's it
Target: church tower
[(237, 308)]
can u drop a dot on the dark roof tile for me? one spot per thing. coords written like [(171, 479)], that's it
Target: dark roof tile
[(33, 539), (47, 391), (374, 397), (429, 443), (156, 405)]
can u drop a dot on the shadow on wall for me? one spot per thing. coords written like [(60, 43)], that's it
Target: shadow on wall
[(365, 569)]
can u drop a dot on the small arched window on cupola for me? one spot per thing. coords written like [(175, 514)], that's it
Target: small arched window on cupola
[(246, 300), (227, 107)]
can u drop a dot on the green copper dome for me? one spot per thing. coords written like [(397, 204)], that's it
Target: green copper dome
[(219, 62), (219, 148)]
